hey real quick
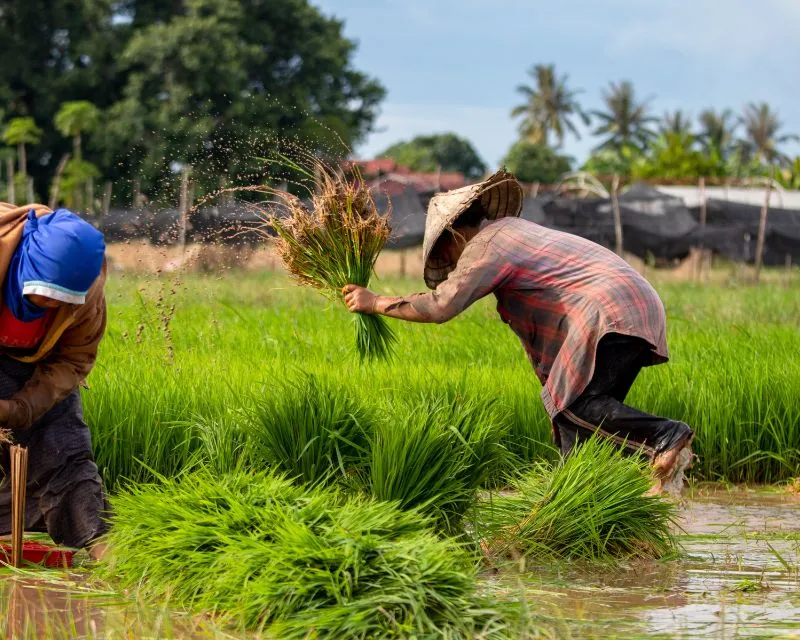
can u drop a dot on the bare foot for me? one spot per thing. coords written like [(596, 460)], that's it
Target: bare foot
[(98, 551)]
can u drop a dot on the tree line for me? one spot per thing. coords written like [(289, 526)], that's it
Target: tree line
[(633, 141), (131, 91)]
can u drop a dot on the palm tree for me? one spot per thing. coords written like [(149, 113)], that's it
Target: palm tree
[(74, 119), (676, 122), (717, 131), (625, 121), (762, 138), (549, 107), (19, 132)]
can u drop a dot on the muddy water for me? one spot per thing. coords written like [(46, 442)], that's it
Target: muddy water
[(738, 576)]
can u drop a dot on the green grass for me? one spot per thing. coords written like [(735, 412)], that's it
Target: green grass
[(592, 505), (261, 552), (160, 400)]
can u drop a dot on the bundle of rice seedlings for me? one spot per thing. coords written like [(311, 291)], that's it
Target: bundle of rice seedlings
[(592, 505), (264, 553), (438, 458), (334, 244), (311, 431)]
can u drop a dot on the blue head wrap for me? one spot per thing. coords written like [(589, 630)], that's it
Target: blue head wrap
[(59, 257)]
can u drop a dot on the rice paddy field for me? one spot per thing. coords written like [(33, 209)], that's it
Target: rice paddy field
[(269, 483)]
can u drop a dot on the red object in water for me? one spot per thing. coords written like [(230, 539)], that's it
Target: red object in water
[(36, 553)]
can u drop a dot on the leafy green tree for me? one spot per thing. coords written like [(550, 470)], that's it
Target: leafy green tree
[(224, 83), (626, 121), (445, 151), (74, 119), (532, 162), (677, 122), (549, 107), (672, 156), (21, 132), (718, 131), (607, 162), (763, 136)]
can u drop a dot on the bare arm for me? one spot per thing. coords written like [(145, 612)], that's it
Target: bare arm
[(479, 272)]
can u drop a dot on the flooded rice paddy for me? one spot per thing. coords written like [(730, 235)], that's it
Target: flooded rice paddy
[(738, 576)]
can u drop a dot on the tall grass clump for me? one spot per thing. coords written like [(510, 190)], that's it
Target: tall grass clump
[(335, 243), (310, 430), (592, 505), (438, 458), (264, 553)]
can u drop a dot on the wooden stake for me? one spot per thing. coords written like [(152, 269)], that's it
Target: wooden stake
[(403, 263), (107, 199), (703, 212), (19, 478), (617, 215), (762, 231), (788, 270), (137, 193), (535, 190), (184, 207)]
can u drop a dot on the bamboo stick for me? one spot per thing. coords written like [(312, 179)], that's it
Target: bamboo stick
[(617, 215), (762, 232), (19, 478)]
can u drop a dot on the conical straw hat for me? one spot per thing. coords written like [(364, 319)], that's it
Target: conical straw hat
[(500, 196)]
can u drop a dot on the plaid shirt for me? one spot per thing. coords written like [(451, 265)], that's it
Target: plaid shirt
[(559, 293)]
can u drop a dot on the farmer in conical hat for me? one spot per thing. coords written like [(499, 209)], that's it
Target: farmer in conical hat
[(52, 318), (587, 320)]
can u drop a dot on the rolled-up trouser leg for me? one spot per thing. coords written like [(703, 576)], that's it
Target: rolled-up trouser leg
[(65, 495), (600, 409)]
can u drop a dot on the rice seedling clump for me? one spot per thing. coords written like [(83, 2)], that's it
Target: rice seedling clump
[(311, 431), (335, 243), (438, 458), (264, 553), (590, 506)]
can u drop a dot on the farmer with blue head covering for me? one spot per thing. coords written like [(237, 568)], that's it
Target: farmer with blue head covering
[(52, 318)]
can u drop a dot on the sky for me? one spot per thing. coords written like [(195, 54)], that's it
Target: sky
[(454, 65)]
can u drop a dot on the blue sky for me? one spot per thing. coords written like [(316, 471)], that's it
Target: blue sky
[(453, 65)]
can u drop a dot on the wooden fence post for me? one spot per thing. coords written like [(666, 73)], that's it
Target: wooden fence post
[(184, 207), (762, 232), (107, 198), (617, 214)]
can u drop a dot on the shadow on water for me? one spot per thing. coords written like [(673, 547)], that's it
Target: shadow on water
[(738, 576)]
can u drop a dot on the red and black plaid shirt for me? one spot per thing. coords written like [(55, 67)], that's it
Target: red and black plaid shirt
[(559, 293)]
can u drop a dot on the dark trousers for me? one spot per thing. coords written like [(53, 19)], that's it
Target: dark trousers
[(65, 495), (600, 409)]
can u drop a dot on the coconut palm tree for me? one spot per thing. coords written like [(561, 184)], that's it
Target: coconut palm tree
[(677, 122), (74, 119), (21, 132), (762, 134), (549, 107), (625, 122), (717, 131)]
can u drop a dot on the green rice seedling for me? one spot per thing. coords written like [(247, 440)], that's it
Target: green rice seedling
[(334, 244), (311, 431), (264, 553), (438, 457), (592, 505)]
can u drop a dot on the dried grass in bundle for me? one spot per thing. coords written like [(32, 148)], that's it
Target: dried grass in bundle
[(335, 243)]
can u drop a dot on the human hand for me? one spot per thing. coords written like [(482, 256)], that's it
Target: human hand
[(358, 299)]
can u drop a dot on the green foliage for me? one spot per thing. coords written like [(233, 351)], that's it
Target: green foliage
[(763, 135), (625, 121), (74, 179), (591, 505), (438, 457), (672, 156), (531, 162), (267, 554), (609, 161), (445, 151), (22, 131), (311, 431), (77, 117), (549, 107)]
